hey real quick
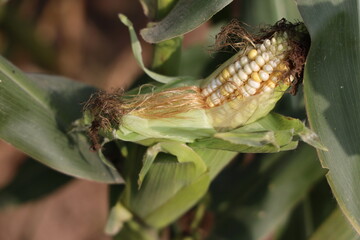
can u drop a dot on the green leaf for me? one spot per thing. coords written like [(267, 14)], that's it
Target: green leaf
[(169, 187), (136, 47), (184, 17), (332, 86), (118, 216), (255, 12), (183, 153), (36, 113), (266, 192), (335, 227)]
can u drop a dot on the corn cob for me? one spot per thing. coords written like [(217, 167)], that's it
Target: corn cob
[(258, 69)]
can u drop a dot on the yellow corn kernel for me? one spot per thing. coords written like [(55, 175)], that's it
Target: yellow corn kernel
[(224, 92), (255, 76), (225, 74), (252, 54), (270, 84), (209, 102), (222, 79)]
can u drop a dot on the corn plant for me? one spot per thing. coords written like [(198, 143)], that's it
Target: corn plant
[(179, 137)]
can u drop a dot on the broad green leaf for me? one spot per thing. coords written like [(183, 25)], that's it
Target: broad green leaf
[(255, 12), (136, 47), (265, 193), (332, 86), (335, 227), (184, 17), (183, 153), (169, 187), (36, 113)]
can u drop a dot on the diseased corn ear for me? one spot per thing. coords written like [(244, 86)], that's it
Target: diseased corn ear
[(242, 90), (248, 85)]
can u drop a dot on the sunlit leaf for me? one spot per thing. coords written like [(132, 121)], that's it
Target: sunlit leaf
[(332, 86), (335, 227), (36, 113)]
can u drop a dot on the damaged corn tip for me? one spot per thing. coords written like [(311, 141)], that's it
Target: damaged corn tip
[(260, 68)]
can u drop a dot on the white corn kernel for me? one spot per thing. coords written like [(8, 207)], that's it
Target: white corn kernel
[(231, 69), (253, 83), (280, 47), (250, 89), (260, 60), (265, 56), (254, 66), (214, 98), (263, 75), (237, 65), (205, 92), (267, 89), (242, 75), (273, 40), (229, 87), (247, 69), (244, 92), (268, 68), (214, 85), (273, 49), (262, 48), (237, 80), (244, 60), (267, 43)]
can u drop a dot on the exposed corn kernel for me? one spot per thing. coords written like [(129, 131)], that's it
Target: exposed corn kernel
[(242, 75), (252, 54), (254, 66), (224, 92), (231, 69), (225, 74), (237, 65), (260, 61), (237, 80), (257, 71), (263, 75), (253, 83), (244, 60), (222, 79), (255, 76), (250, 89)]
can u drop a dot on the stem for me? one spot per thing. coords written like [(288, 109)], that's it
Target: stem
[(167, 54)]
